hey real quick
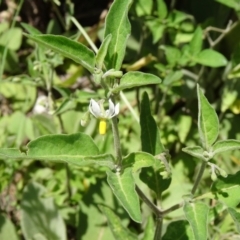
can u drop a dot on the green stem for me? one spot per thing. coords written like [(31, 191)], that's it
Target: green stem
[(199, 177), (158, 231), (173, 208)]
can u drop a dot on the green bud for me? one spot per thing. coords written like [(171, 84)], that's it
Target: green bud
[(97, 75), (112, 73), (214, 176)]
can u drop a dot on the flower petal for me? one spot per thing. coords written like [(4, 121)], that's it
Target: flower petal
[(110, 112), (94, 108), (116, 109)]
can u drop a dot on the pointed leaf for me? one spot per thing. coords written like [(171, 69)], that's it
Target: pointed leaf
[(118, 230), (46, 218), (123, 186), (102, 52), (211, 58), (31, 29), (236, 217), (78, 149), (150, 137), (162, 9), (227, 190), (195, 151), (207, 121), (196, 42), (138, 160), (197, 216), (136, 79), (149, 229), (68, 48), (225, 145), (118, 25)]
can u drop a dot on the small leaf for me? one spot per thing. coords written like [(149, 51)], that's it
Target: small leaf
[(225, 145), (172, 77), (236, 217), (102, 52), (123, 186), (230, 3), (210, 58), (197, 216), (31, 29), (173, 54), (196, 42), (195, 151), (68, 48), (136, 79), (118, 230), (150, 137), (46, 218), (207, 121), (227, 190), (162, 9), (118, 25), (138, 160)]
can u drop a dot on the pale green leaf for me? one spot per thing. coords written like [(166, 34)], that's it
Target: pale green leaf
[(123, 186), (102, 52), (31, 29), (118, 25), (11, 38), (236, 217), (143, 7), (197, 216), (196, 42), (210, 58), (173, 54), (68, 48), (136, 79), (78, 149), (118, 230), (227, 190), (46, 218), (195, 151), (7, 229), (149, 229), (225, 145), (138, 160), (172, 77), (184, 126), (208, 124)]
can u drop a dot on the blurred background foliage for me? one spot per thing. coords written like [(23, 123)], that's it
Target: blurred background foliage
[(31, 105)]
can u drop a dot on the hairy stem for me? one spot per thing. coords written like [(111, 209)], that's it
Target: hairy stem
[(158, 231), (199, 177)]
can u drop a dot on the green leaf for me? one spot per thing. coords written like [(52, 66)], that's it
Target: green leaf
[(118, 230), (136, 79), (7, 229), (195, 151), (210, 58), (46, 218), (150, 137), (78, 149), (197, 216), (225, 145), (68, 48), (118, 25), (236, 217), (172, 77), (162, 9), (173, 54), (227, 190), (178, 230), (143, 8), (196, 42), (102, 52), (138, 160), (208, 124), (123, 186), (11, 38), (149, 229), (230, 3), (31, 29)]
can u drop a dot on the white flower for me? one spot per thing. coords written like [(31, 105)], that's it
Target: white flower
[(98, 111)]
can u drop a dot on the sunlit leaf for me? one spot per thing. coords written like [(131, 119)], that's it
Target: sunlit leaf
[(136, 79), (8, 230), (123, 186), (225, 145), (208, 124), (195, 151), (68, 48), (236, 217), (118, 25), (197, 216)]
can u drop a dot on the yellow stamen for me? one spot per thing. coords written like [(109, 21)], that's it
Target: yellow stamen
[(102, 126)]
